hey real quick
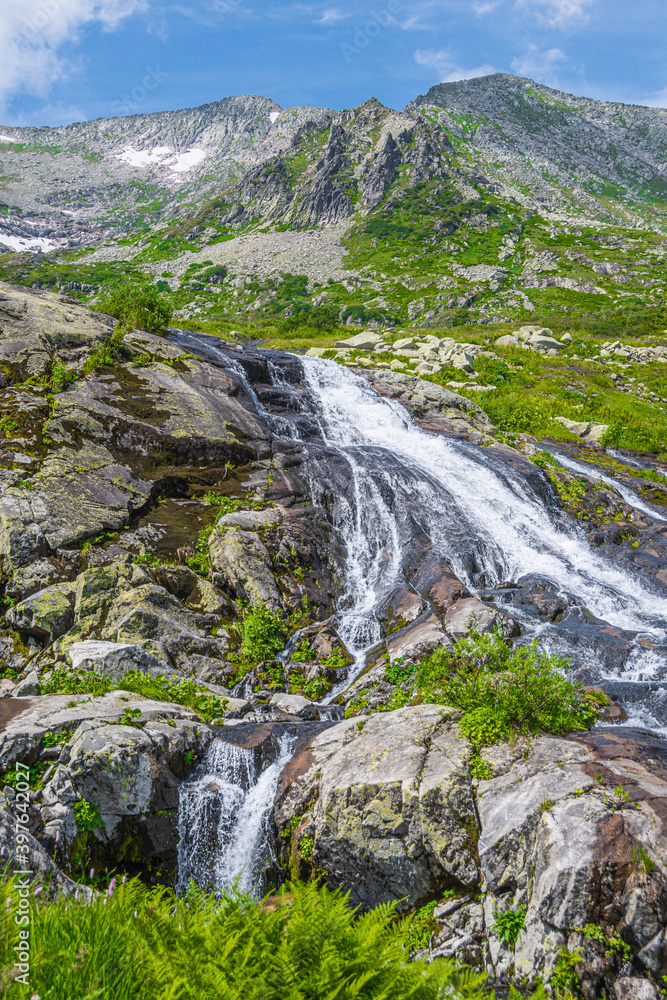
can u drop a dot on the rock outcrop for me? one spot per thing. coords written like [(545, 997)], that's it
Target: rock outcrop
[(570, 831), (109, 792)]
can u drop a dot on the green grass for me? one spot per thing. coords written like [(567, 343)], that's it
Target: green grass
[(179, 690), (531, 390), (133, 943)]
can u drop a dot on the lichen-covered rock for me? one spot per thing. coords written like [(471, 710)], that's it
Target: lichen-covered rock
[(35, 576), (96, 588), (27, 720), (113, 659), (129, 777), (241, 562), (37, 324), (104, 441), (47, 614), (433, 405), (564, 831), (470, 614), (31, 855), (418, 641), (148, 612), (392, 812), (572, 829)]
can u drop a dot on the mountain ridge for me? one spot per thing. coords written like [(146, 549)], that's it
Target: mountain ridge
[(481, 201)]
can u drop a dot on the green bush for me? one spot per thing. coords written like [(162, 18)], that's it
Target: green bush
[(136, 307), (263, 634), (134, 943), (503, 690), (87, 815), (320, 318)]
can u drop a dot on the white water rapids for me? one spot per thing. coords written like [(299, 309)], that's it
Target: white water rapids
[(223, 812), (480, 515), (393, 484)]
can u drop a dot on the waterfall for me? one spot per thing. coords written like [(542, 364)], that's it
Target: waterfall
[(391, 490), (479, 514), (223, 814)]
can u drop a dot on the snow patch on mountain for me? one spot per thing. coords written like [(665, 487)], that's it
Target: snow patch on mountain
[(163, 156), (20, 243)]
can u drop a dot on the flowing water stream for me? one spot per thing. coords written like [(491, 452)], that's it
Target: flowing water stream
[(481, 515), (393, 484), (223, 815)]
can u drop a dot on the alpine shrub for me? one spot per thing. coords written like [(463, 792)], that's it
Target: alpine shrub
[(503, 691), (136, 307), (263, 634)]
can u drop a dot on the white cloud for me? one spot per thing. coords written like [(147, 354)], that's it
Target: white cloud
[(538, 65), (32, 37), (331, 15), (558, 13), (447, 70), (481, 9)]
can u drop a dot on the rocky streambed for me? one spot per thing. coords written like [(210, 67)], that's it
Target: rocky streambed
[(154, 497)]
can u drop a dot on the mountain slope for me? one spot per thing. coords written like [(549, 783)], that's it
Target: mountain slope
[(554, 151), (483, 201), (82, 182)]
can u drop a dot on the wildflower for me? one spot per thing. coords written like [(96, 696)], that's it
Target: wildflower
[(57, 836), (105, 901), (9, 903), (124, 879), (39, 889), (92, 873), (112, 886), (136, 914)]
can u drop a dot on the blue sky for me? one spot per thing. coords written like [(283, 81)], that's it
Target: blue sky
[(68, 60)]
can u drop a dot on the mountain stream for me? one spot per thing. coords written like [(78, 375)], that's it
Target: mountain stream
[(394, 484)]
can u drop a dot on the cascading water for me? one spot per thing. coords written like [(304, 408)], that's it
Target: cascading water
[(386, 485), (222, 818), (479, 514), (628, 495)]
